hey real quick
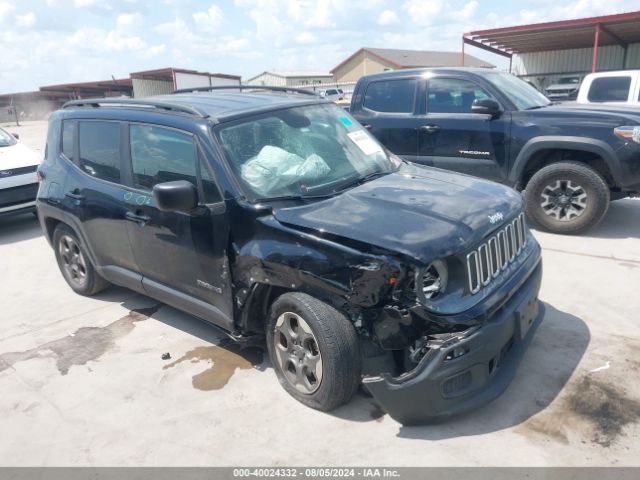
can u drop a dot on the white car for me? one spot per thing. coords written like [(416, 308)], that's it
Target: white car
[(18, 179), (616, 88), (332, 94)]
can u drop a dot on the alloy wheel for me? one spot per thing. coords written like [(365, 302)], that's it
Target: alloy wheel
[(564, 200), (297, 353), (73, 262)]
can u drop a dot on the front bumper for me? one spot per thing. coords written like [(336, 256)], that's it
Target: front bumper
[(18, 199), (439, 388)]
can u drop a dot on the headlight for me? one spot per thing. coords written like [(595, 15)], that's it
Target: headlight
[(431, 281), (628, 133)]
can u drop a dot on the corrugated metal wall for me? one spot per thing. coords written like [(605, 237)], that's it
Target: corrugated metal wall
[(148, 88), (633, 56), (191, 80), (268, 79), (576, 60)]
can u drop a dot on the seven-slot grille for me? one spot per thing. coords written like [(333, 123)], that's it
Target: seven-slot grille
[(489, 259)]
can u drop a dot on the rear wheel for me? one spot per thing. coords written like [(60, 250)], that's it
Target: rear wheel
[(567, 197), (74, 264), (314, 351)]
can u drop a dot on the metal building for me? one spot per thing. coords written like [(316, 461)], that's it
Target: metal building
[(543, 52), (165, 80), (290, 79)]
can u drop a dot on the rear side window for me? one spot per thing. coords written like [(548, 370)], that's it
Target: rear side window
[(100, 149), (160, 155), (391, 96), (453, 95), (67, 139), (610, 89)]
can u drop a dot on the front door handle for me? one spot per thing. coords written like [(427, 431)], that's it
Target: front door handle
[(139, 219), (430, 128), (367, 126)]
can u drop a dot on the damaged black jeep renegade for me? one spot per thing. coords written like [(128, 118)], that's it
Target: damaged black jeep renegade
[(273, 212)]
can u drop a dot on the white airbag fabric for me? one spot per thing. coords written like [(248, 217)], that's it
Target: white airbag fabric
[(274, 168)]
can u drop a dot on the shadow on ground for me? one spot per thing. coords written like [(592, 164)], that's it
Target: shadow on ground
[(19, 228), (621, 221)]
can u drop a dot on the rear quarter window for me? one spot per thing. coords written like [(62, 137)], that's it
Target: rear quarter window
[(610, 89), (100, 149), (68, 129), (391, 96)]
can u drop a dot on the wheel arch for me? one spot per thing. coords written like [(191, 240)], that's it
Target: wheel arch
[(542, 151)]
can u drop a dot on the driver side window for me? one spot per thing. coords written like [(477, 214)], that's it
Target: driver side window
[(161, 155), (453, 95)]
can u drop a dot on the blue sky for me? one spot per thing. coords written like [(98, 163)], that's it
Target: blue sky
[(44, 42)]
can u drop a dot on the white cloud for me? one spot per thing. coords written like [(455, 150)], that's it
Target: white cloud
[(388, 18), (423, 12), (85, 3), (467, 12), (155, 50), (306, 38), (128, 20), (5, 8), (27, 20), (210, 20)]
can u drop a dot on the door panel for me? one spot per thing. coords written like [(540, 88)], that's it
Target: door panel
[(388, 114), (94, 196), (184, 251), (453, 138)]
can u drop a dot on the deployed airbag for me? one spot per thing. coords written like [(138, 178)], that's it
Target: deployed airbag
[(274, 168)]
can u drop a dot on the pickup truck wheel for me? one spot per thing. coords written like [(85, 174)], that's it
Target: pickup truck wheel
[(74, 264), (567, 197), (314, 350)]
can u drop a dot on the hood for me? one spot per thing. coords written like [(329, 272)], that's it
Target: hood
[(594, 114), (17, 156), (422, 212)]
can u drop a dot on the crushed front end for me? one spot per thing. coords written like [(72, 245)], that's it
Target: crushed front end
[(457, 359)]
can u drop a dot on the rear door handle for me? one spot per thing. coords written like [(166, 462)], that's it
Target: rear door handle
[(139, 219), (430, 128), (74, 196)]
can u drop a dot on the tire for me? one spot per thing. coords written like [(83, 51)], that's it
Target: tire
[(566, 198), (74, 264), (336, 348)]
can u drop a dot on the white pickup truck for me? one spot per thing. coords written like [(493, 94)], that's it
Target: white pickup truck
[(617, 88)]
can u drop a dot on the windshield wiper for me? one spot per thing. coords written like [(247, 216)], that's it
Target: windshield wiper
[(292, 197), (361, 180)]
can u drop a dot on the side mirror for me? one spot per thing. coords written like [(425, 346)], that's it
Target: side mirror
[(16, 136), (178, 196), (486, 106)]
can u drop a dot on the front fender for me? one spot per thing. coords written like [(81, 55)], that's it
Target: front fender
[(290, 259)]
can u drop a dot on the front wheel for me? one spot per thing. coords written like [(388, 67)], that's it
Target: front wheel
[(566, 197), (314, 350)]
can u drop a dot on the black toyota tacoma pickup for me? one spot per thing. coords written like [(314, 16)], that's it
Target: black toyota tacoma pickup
[(569, 160), (276, 216)]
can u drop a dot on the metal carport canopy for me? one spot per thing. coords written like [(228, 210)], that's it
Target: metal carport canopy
[(620, 29)]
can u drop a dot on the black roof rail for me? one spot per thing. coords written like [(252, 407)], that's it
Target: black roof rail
[(133, 103), (246, 87)]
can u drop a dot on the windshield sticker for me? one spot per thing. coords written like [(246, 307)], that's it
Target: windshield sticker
[(364, 142), (346, 120)]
